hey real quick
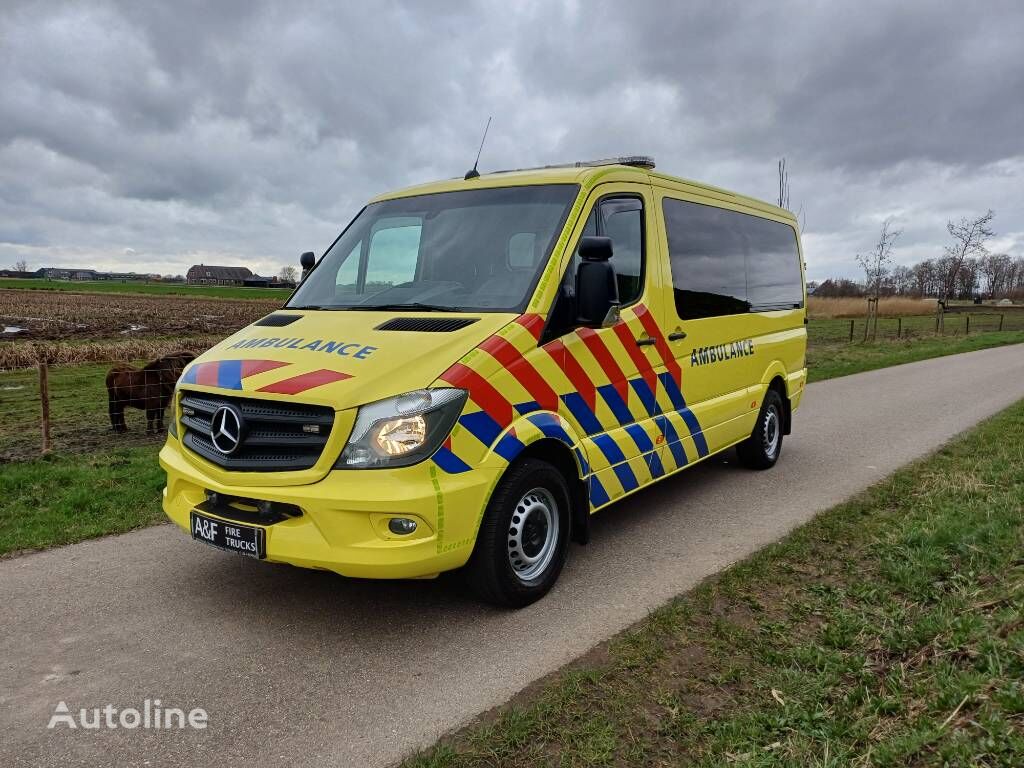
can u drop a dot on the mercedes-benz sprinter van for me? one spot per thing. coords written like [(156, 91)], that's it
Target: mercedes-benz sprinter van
[(476, 366)]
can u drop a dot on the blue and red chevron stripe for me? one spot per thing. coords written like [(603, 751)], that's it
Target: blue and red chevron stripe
[(228, 374), (497, 412)]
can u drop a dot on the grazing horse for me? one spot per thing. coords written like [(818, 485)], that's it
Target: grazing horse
[(149, 388)]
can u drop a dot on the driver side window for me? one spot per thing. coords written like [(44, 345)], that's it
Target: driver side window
[(621, 219)]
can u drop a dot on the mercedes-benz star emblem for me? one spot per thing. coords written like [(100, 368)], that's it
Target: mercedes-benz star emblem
[(226, 430)]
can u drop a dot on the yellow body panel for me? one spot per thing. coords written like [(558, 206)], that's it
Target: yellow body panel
[(629, 415)]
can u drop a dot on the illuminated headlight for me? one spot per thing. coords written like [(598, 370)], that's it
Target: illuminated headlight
[(401, 430)]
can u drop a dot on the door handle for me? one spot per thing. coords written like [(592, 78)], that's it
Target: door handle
[(677, 336), (646, 341)]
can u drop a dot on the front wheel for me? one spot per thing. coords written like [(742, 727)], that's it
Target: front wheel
[(524, 537), (761, 450)]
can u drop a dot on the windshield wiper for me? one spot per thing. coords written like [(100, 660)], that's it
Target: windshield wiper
[(416, 305)]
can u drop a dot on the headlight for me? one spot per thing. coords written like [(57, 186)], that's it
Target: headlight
[(401, 430), (172, 414)]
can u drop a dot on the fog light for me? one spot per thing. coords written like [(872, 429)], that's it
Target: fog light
[(401, 526)]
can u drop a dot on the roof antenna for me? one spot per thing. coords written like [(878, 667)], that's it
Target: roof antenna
[(473, 173)]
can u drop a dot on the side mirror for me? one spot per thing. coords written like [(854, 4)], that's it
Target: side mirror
[(597, 290), (307, 261)]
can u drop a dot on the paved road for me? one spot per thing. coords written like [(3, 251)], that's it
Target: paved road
[(298, 667)]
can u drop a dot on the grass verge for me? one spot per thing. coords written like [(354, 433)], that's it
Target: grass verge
[(62, 499), (830, 360), (889, 631)]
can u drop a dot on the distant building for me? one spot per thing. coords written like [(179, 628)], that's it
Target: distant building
[(201, 274), (256, 281), (19, 273), (67, 273)]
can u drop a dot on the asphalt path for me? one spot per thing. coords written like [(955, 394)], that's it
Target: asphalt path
[(298, 667)]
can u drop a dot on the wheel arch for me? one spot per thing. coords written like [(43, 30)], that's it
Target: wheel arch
[(548, 437), (775, 378)]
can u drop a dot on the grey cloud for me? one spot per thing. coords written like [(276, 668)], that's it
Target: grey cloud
[(253, 130)]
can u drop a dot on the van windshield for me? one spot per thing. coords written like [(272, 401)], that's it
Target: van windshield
[(469, 251)]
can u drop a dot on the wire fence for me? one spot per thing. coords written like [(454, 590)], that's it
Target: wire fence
[(83, 407), (840, 330)]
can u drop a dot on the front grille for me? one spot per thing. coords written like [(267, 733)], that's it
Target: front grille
[(275, 437)]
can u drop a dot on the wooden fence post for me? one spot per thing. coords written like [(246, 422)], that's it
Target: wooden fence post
[(1001, 322), (967, 331), (44, 402), (851, 329), (899, 327)]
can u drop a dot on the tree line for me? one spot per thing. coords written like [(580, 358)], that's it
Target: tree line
[(965, 270)]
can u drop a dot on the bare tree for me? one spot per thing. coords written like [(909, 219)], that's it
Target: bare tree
[(902, 281), (997, 270), (21, 266), (969, 239), (877, 263), (289, 274)]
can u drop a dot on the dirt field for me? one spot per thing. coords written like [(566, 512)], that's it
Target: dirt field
[(52, 315)]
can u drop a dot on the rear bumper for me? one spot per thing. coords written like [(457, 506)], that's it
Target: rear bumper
[(344, 525)]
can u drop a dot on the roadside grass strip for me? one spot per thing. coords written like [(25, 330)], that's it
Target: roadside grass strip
[(829, 360), (62, 499), (889, 631)]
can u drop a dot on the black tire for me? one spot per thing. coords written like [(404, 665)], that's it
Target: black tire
[(513, 524), (761, 450)]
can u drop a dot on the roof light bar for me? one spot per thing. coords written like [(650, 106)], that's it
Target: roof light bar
[(635, 161)]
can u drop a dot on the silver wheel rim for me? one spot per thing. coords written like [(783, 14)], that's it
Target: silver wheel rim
[(771, 432), (533, 534)]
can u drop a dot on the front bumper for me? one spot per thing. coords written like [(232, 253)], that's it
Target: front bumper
[(344, 525)]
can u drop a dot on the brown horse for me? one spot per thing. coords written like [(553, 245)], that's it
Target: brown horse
[(149, 388)]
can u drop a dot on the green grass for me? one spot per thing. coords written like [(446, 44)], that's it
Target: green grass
[(889, 631), (63, 499), (165, 289), (827, 330), (829, 360)]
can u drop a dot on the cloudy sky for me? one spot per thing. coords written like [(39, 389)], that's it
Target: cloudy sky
[(157, 135)]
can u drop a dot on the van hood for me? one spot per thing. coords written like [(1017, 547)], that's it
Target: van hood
[(340, 358)]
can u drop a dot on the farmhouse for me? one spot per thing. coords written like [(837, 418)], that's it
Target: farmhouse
[(202, 274)]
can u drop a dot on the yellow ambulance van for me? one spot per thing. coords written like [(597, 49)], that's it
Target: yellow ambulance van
[(476, 366)]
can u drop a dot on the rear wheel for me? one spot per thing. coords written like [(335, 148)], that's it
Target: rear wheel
[(524, 536), (761, 450)]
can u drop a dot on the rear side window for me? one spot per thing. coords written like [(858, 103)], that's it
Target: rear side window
[(707, 252), (728, 263), (773, 265)]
